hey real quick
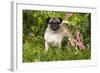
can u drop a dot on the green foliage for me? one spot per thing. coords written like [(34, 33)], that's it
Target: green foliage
[(34, 26)]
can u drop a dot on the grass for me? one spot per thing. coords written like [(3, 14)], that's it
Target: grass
[(34, 51)]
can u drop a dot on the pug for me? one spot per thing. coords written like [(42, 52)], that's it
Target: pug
[(55, 32)]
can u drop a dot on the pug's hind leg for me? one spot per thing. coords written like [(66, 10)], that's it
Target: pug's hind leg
[(59, 45), (46, 46)]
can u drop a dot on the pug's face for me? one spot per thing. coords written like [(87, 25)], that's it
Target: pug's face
[(54, 23)]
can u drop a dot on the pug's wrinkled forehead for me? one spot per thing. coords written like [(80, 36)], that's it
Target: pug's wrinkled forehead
[(54, 19)]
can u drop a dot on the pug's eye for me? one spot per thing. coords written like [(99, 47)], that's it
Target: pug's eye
[(50, 22)]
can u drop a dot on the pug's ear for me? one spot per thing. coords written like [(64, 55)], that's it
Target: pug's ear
[(60, 20), (47, 20)]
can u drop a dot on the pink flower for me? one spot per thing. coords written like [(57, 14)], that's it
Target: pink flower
[(79, 42), (69, 13)]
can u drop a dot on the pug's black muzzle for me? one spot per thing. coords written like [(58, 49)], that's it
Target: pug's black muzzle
[(54, 26)]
